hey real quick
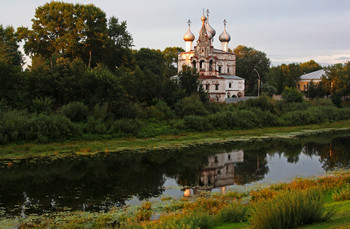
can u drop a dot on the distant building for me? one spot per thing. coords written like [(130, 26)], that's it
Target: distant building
[(305, 79), (216, 67)]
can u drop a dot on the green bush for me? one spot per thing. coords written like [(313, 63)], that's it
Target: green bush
[(41, 105), (263, 102), (160, 111), (233, 213), (46, 128), (75, 111), (191, 105), (342, 194), (13, 124), (289, 209), (126, 126), (193, 220), (292, 95), (197, 123)]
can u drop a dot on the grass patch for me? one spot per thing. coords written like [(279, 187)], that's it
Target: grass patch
[(289, 209), (70, 148)]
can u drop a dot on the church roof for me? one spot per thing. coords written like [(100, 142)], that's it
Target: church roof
[(232, 77), (316, 75)]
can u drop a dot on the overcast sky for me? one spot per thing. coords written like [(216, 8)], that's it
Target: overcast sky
[(286, 30)]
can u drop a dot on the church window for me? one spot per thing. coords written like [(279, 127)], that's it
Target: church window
[(216, 86), (194, 64), (207, 87), (229, 85), (211, 65), (219, 69), (201, 64), (228, 70)]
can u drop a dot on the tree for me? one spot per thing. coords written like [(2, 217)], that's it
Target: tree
[(69, 30), (9, 52), (292, 95), (335, 79), (189, 79), (118, 52), (171, 58), (152, 60), (249, 59), (310, 66)]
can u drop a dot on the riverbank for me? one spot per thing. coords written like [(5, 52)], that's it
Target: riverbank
[(164, 142), (325, 202)]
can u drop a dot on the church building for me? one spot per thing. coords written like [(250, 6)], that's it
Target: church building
[(216, 67)]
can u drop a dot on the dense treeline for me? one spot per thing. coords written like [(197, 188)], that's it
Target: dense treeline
[(86, 82)]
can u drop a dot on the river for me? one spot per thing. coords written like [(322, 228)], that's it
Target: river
[(99, 182)]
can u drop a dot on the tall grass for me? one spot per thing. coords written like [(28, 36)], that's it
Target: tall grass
[(342, 193), (289, 209)]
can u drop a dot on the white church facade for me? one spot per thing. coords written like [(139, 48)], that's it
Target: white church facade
[(216, 67)]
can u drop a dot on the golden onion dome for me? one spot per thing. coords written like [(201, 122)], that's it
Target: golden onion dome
[(189, 35), (203, 18)]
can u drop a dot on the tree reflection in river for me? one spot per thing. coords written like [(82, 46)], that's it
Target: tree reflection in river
[(102, 181)]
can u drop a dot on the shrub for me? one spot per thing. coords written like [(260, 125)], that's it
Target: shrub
[(126, 126), (144, 213), (197, 123), (233, 213), (160, 111), (13, 123), (342, 194), (191, 105), (292, 95), (45, 128), (41, 105), (289, 209), (263, 102), (75, 111)]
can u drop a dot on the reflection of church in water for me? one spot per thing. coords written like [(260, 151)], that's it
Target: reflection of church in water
[(219, 172)]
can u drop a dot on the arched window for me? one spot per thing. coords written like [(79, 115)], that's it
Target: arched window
[(201, 64), (211, 65), (194, 64)]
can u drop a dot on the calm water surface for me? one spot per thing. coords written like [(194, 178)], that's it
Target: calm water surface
[(95, 183)]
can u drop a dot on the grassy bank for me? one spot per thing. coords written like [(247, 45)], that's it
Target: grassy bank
[(322, 202), (186, 139)]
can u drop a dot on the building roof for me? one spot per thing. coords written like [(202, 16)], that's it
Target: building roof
[(211, 77), (232, 77), (316, 75)]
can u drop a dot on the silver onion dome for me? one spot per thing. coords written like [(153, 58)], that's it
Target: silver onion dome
[(224, 36), (211, 32)]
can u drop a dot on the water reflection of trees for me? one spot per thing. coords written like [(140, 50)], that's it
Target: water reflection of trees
[(101, 181)]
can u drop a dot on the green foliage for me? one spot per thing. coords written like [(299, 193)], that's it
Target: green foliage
[(160, 111), (42, 105), (292, 95), (189, 79), (19, 126), (75, 111), (9, 52), (263, 102), (336, 99), (191, 105), (289, 209), (126, 126), (342, 193), (233, 213), (197, 123), (248, 59)]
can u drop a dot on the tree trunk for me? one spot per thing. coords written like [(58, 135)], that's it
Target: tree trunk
[(89, 65)]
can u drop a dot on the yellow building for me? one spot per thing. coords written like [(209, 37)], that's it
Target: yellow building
[(305, 79)]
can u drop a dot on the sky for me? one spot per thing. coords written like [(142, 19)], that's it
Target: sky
[(286, 30)]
